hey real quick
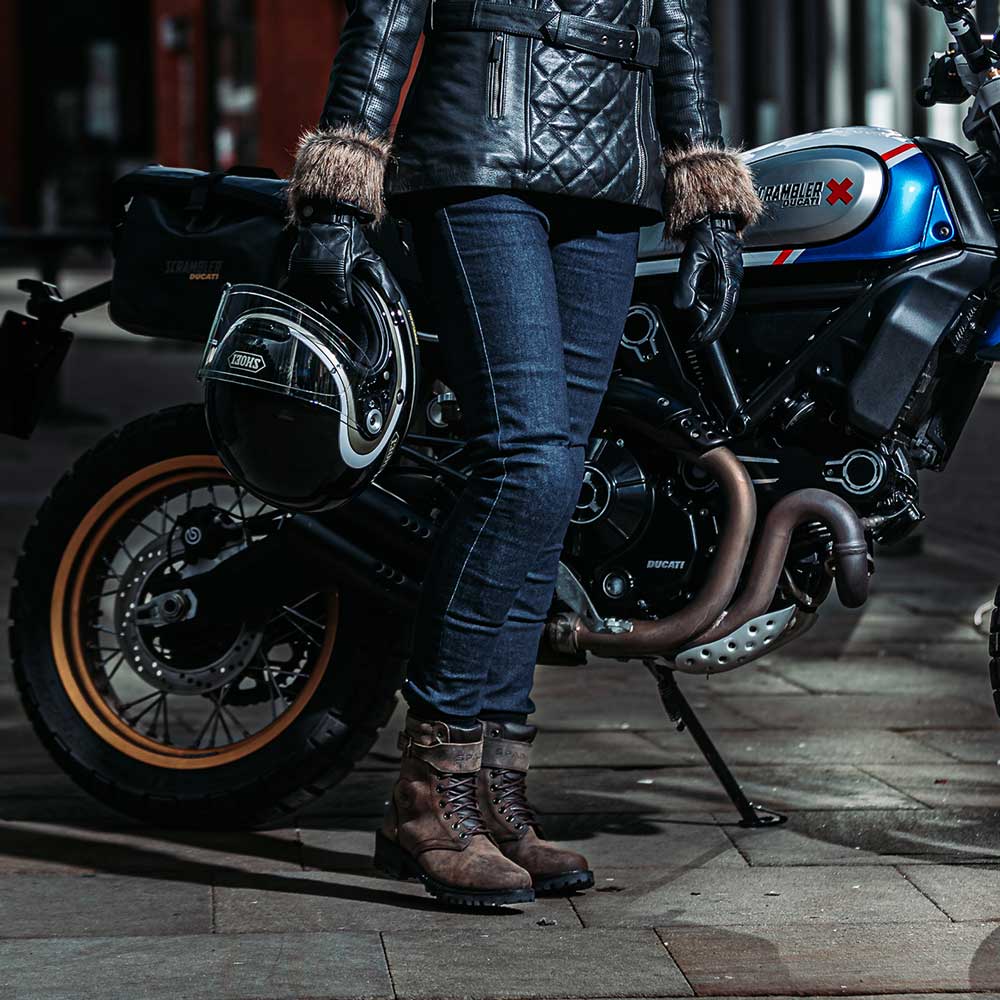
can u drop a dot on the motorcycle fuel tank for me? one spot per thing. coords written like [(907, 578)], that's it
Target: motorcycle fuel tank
[(815, 195), (840, 194)]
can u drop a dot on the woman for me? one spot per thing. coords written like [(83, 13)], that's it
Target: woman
[(533, 145)]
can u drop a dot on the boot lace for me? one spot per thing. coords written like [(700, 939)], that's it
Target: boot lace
[(510, 789), (461, 804)]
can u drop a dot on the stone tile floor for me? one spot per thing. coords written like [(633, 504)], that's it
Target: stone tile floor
[(876, 734)]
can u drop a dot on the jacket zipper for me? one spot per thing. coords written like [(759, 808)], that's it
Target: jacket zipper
[(641, 78), (498, 75)]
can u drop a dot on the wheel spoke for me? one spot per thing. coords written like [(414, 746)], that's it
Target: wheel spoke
[(286, 637), (112, 652), (215, 727), (145, 527), (166, 722), (166, 517), (236, 722), (106, 562), (124, 709), (106, 662), (286, 607), (273, 689), (138, 701), (154, 708), (304, 633), (243, 517), (156, 716), (287, 673), (298, 614), (222, 718), (295, 617), (102, 595), (204, 728)]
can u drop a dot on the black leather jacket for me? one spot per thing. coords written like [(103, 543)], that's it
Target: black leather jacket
[(499, 110)]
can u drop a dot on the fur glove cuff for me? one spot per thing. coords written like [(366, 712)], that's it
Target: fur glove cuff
[(707, 180), (345, 163)]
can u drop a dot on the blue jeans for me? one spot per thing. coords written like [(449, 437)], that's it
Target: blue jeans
[(532, 294)]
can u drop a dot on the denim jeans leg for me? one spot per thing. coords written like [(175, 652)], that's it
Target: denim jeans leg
[(595, 273), (490, 271)]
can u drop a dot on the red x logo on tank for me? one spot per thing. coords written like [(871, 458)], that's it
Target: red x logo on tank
[(840, 191)]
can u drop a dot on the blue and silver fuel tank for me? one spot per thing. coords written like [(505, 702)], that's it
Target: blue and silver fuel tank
[(844, 194)]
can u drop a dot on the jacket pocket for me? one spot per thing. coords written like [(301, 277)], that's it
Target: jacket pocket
[(496, 86)]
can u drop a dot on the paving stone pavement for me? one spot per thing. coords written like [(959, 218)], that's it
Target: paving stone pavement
[(876, 734)]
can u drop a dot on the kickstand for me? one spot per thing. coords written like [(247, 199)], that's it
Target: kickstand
[(681, 712)]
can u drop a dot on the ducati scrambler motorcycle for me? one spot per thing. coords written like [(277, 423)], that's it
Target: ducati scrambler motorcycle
[(211, 618)]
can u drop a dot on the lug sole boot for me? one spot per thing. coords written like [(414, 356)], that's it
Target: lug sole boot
[(511, 820), (433, 829)]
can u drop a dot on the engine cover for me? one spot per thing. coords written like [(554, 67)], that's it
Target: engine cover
[(615, 499), (639, 542)]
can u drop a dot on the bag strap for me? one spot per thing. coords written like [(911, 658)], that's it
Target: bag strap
[(201, 191), (195, 189), (635, 46)]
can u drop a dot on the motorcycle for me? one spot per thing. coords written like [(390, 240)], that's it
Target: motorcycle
[(196, 657)]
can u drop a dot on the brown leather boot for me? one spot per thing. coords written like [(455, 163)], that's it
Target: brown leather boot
[(433, 829), (503, 800)]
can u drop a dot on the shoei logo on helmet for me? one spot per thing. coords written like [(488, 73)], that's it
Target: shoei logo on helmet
[(244, 361)]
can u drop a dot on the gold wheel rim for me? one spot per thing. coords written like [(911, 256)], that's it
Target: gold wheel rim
[(67, 635)]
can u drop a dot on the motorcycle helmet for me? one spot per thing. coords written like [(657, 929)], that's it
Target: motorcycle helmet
[(305, 408)]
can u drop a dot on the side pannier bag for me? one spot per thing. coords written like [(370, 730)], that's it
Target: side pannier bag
[(182, 235)]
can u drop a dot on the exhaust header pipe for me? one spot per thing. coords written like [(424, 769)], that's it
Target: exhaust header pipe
[(570, 634), (850, 558), (706, 618)]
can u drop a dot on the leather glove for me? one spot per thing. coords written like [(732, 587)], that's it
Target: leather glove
[(331, 246), (710, 277)]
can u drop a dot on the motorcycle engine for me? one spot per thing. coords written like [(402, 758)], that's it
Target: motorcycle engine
[(640, 541)]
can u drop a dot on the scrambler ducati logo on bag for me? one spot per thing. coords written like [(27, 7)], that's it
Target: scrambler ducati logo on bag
[(196, 270), (244, 361)]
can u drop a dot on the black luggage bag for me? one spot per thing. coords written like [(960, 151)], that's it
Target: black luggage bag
[(181, 235)]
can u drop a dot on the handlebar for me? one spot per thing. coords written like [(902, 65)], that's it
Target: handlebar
[(965, 29), (969, 69)]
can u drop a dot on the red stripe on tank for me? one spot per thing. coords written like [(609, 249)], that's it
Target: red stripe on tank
[(898, 151)]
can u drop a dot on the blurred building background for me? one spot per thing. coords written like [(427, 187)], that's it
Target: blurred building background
[(92, 89)]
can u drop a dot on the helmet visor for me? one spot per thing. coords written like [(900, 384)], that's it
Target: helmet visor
[(265, 339)]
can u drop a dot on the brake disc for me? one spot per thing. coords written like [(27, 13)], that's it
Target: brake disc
[(156, 655)]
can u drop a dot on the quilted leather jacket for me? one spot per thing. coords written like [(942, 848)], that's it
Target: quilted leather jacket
[(501, 110)]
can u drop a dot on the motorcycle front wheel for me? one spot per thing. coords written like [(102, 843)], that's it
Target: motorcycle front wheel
[(213, 725)]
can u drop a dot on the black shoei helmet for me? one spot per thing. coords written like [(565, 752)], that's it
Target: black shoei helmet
[(304, 409)]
